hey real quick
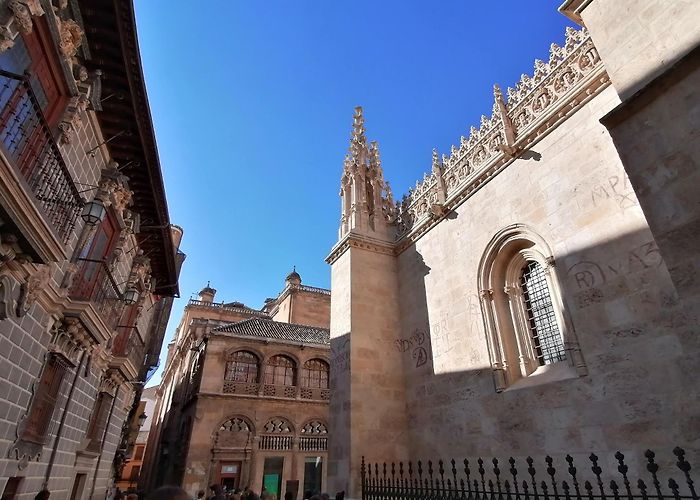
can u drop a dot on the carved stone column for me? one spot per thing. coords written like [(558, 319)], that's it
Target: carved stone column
[(522, 333), (494, 343)]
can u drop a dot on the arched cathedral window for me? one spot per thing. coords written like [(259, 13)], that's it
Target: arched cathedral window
[(280, 370), (242, 366), (314, 374), (527, 327)]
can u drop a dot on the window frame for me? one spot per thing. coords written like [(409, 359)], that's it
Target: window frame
[(288, 371), (306, 374), (46, 396), (99, 420), (231, 364), (506, 323)]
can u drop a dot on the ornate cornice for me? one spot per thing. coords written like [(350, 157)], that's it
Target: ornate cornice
[(536, 105), (69, 339), (352, 240)]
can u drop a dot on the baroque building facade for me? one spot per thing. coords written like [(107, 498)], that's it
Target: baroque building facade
[(133, 462), (88, 258), (535, 294), (244, 396)]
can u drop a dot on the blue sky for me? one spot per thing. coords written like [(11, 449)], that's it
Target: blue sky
[(252, 104)]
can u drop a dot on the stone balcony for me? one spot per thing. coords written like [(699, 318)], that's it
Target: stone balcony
[(275, 391), (35, 184)]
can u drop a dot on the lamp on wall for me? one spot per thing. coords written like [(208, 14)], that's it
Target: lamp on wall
[(142, 419), (131, 296), (93, 212)]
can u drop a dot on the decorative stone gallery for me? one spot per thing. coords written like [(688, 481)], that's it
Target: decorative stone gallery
[(244, 396), (535, 293)]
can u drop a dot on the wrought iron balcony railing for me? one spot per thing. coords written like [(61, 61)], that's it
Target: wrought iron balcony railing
[(94, 282), (28, 143)]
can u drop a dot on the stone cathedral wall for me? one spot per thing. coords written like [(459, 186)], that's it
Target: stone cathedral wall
[(616, 290)]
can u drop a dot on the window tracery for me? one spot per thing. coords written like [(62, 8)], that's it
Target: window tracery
[(280, 370), (314, 427), (278, 426), (524, 318), (235, 424), (242, 366), (314, 374)]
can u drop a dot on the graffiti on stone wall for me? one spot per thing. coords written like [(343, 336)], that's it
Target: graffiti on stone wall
[(616, 188), (589, 275), (414, 344), (440, 337)]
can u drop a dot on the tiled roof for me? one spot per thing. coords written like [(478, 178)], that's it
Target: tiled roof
[(266, 328)]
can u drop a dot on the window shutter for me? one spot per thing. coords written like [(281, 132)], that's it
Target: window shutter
[(48, 390)]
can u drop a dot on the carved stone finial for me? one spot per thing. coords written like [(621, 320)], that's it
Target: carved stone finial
[(436, 161), (497, 94), (358, 141), (508, 129), (374, 159)]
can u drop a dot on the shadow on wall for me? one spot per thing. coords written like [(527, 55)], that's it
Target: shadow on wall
[(638, 341)]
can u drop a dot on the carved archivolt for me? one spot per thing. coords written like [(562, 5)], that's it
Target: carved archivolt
[(234, 433), (505, 319)]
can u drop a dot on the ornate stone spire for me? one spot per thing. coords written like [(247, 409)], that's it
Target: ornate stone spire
[(437, 208), (375, 162), (508, 129), (362, 185), (358, 140)]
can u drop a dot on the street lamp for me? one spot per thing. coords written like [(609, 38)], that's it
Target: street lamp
[(94, 212), (131, 296), (142, 419)]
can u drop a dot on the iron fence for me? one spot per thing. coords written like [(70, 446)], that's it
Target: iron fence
[(467, 480), (28, 142)]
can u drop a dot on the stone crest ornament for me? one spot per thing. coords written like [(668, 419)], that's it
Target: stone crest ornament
[(32, 288)]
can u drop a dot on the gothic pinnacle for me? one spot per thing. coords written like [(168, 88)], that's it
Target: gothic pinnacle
[(358, 141)]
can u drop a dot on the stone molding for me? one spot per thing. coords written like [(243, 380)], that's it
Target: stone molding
[(352, 240), (573, 75), (536, 105), (69, 339)]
